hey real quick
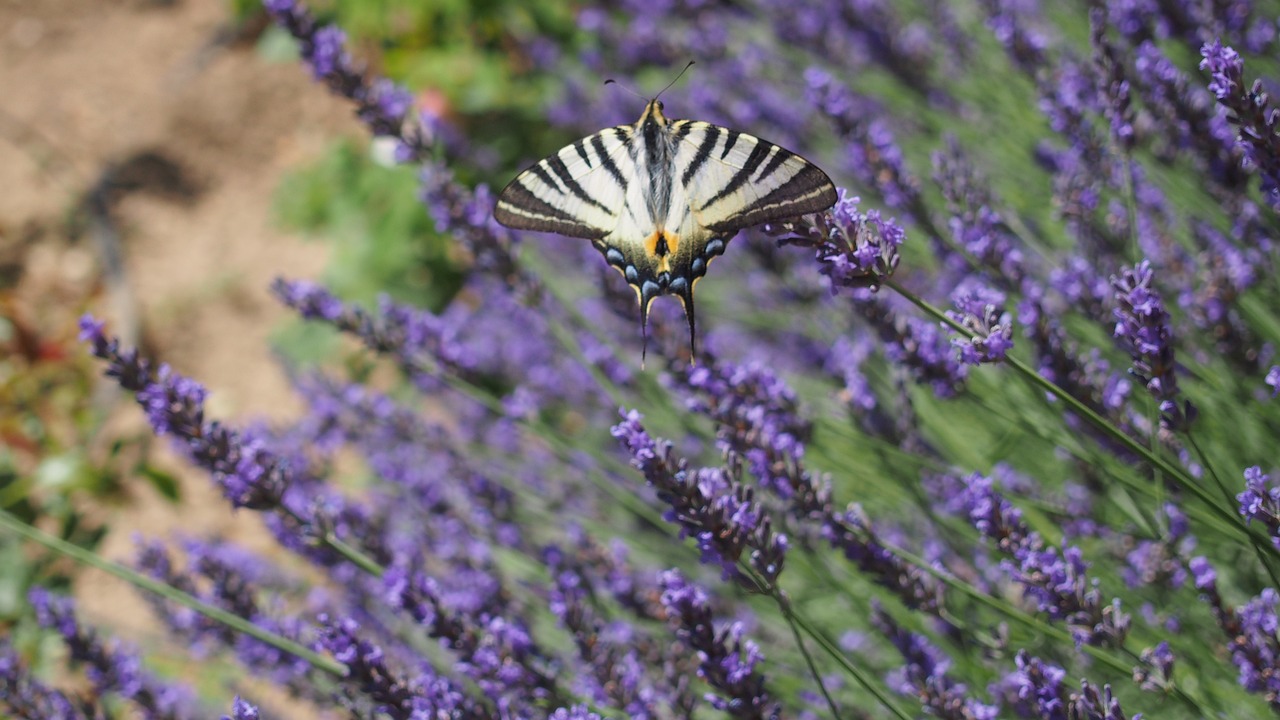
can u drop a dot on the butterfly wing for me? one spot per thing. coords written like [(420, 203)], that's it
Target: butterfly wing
[(734, 180), (579, 191)]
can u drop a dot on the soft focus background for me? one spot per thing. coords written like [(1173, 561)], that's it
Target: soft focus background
[(143, 147), (161, 163)]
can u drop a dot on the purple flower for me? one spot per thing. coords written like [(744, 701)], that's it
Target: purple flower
[(1034, 689), (577, 712), (924, 676), (1259, 126), (1024, 44), (615, 655), (979, 310), (497, 653), (1261, 501), (1159, 562), (872, 153), (977, 228), (1144, 329), (110, 669), (1056, 581), (24, 696), (853, 249), (234, 580), (369, 676), (1156, 670), (381, 104), (710, 504), (728, 661), (1273, 379), (242, 710), (1115, 82), (757, 420)]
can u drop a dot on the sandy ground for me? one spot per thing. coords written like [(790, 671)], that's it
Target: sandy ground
[(86, 84)]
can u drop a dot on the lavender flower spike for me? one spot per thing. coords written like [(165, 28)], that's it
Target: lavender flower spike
[(380, 104), (728, 662), (111, 670), (854, 250), (1143, 326), (242, 710), (1055, 581), (1261, 501), (709, 504), (980, 311), (924, 676), (1259, 135), (21, 695)]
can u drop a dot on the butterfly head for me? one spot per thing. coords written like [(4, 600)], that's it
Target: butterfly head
[(653, 114)]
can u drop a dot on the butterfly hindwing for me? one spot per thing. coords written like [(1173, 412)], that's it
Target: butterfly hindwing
[(579, 191), (735, 180)]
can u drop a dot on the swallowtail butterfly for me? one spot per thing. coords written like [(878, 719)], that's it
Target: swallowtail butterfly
[(661, 198)]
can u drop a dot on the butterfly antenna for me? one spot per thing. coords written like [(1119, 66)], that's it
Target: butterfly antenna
[(611, 81), (673, 81)]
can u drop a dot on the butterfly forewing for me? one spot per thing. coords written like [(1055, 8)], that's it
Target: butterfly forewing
[(735, 180), (578, 192)]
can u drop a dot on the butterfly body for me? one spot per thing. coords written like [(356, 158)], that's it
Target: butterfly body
[(661, 198)]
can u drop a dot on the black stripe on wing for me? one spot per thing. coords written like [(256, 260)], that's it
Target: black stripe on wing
[(562, 193), (757, 156), (711, 135), (808, 190), (519, 208)]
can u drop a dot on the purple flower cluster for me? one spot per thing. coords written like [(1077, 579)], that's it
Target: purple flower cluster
[(615, 656), (979, 310), (1144, 329), (235, 580), (250, 473), (871, 150), (242, 710), (757, 419), (1259, 126), (710, 504), (111, 670), (728, 659), (380, 103), (854, 249), (1056, 582), (925, 674), (1261, 501), (1038, 689), (26, 697), (1251, 633)]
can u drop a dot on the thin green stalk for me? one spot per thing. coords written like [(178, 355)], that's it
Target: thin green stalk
[(834, 652), (785, 605), (235, 622)]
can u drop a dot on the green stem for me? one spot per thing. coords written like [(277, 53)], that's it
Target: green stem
[(231, 620)]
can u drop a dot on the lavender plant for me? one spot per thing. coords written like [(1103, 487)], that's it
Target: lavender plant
[(918, 428)]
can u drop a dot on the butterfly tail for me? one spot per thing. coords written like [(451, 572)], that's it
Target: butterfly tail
[(647, 294), (686, 298)]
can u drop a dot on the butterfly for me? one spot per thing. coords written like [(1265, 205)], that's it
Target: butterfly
[(661, 198)]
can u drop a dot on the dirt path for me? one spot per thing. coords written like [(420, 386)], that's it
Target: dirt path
[(88, 83)]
